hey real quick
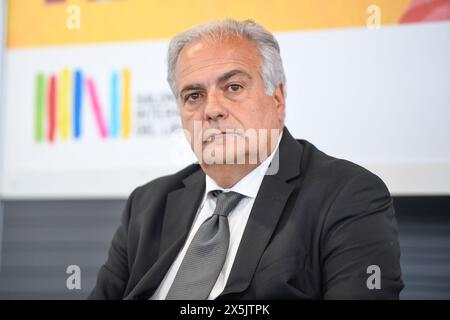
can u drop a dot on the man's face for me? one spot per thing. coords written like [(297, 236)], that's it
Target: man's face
[(219, 88)]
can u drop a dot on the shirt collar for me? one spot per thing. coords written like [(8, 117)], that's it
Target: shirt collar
[(248, 185)]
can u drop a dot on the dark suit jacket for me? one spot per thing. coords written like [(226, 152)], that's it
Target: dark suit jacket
[(314, 229)]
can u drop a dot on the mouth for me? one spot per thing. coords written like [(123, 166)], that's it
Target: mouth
[(219, 136)]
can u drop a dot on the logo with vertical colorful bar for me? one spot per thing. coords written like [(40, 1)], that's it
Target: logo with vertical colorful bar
[(59, 106)]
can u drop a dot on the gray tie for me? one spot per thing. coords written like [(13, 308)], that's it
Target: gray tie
[(206, 253)]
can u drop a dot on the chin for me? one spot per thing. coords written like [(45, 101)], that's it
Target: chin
[(217, 154)]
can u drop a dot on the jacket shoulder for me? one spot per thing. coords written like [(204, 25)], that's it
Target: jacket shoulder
[(163, 185), (331, 171)]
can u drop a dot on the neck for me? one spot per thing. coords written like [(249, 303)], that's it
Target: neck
[(227, 176)]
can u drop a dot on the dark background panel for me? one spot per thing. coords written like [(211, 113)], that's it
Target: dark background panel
[(42, 238)]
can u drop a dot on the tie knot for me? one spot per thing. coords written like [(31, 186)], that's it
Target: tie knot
[(226, 201)]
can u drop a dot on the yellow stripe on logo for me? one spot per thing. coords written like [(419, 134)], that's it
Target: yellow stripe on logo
[(64, 103)]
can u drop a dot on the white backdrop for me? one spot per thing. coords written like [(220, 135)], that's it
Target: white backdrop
[(380, 98)]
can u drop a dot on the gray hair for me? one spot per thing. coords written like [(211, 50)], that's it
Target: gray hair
[(271, 71)]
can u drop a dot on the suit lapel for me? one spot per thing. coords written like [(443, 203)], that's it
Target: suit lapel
[(266, 212), (182, 205), (263, 219), (181, 208)]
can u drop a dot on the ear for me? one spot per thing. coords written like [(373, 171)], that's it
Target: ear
[(280, 102)]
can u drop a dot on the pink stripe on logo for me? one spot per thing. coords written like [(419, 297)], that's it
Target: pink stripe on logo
[(96, 108)]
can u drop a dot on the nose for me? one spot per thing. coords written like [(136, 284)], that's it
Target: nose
[(215, 110)]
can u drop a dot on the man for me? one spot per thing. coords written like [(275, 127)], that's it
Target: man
[(262, 216)]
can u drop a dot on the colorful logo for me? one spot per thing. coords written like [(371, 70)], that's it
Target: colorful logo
[(59, 106)]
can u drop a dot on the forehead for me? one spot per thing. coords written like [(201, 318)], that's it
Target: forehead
[(206, 57)]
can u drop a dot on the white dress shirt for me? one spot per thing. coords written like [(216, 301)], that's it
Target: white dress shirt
[(237, 219)]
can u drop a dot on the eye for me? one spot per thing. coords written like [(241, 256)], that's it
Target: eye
[(234, 87), (193, 96)]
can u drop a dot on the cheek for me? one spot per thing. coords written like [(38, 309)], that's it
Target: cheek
[(188, 117), (260, 114), (270, 108), (191, 122), (184, 120)]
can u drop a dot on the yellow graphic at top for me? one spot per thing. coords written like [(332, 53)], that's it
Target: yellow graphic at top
[(54, 22)]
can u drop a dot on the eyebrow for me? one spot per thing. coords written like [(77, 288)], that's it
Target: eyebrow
[(224, 77), (232, 73)]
